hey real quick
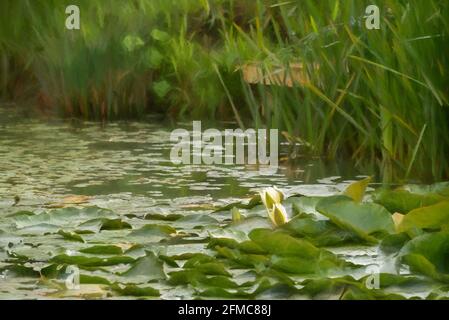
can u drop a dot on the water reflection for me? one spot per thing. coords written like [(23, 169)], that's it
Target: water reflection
[(126, 166)]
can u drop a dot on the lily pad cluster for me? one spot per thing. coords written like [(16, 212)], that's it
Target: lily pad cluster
[(272, 246)]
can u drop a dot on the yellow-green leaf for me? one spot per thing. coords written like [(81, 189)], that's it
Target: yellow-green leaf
[(431, 217), (356, 190)]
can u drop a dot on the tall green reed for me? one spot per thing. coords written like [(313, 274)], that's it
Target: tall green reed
[(376, 97)]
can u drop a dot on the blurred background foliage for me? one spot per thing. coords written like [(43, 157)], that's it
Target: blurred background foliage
[(373, 97)]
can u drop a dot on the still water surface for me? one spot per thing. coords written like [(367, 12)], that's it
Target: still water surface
[(125, 167)]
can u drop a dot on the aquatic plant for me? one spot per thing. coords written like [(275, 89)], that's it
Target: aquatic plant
[(203, 254)]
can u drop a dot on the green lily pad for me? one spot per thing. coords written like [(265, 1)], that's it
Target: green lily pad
[(197, 278), (88, 279), (65, 217), (71, 236), (20, 270), (319, 232), (212, 268), (364, 219), (101, 224), (145, 269), (404, 201), (254, 201), (196, 220), (91, 261), (394, 242), (161, 217), (428, 254), (103, 249), (305, 205), (283, 244), (356, 190), (153, 230), (135, 291), (439, 188), (432, 217), (319, 266)]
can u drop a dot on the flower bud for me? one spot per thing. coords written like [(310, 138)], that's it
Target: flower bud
[(278, 215)]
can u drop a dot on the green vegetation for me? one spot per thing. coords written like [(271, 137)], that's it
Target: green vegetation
[(107, 202), (309, 255), (373, 97)]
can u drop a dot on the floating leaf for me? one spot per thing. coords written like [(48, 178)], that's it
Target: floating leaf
[(296, 265), (356, 190), (145, 269), (394, 242), (135, 291), (101, 224), (90, 261), (153, 230), (169, 261), (254, 201), (169, 217), (19, 270), (70, 236), (440, 188), (428, 254), (282, 244), (432, 217), (306, 205), (196, 278), (66, 217), (103, 249), (403, 201), (197, 220), (88, 279), (364, 219), (319, 232), (212, 268), (198, 259), (85, 291)]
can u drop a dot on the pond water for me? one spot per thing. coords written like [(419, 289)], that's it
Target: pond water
[(124, 167)]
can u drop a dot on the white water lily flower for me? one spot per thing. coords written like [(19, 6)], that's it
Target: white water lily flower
[(278, 215), (271, 196)]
